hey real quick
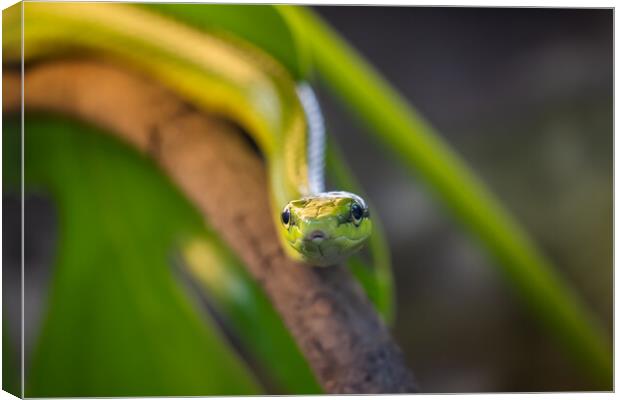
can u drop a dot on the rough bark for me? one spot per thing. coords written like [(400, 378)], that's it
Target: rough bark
[(348, 347)]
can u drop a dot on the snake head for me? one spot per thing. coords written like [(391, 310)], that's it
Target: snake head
[(327, 228)]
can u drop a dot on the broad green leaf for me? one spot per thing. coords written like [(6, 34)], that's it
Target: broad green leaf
[(265, 26), (117, 321), (249, 313)]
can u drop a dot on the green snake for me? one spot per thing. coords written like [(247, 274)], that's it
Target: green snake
[(244, 84)]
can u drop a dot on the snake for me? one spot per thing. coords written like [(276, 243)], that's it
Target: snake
[(227, 76)]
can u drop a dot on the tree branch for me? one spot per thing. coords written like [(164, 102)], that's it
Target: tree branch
[(348, 347)]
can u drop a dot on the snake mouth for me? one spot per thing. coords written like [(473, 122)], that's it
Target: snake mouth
[(316, 235)]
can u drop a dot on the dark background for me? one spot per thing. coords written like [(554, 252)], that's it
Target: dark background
[(525, 96)]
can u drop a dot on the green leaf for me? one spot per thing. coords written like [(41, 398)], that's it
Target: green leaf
[(265, 26), (421, 150), (117, 321), (249, 313)]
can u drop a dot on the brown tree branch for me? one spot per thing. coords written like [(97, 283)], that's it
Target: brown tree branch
[(348, 347)]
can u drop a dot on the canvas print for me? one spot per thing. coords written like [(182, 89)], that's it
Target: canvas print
[(235, 199)]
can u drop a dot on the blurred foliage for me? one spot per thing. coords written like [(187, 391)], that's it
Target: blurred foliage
[(117, 322), (248, 312)]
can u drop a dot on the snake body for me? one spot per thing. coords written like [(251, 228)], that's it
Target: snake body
[(226, 76)]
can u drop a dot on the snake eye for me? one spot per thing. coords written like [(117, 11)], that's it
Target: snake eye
[(286, 216), (357, 213)]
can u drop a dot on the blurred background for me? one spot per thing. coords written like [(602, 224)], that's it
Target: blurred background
[(525, 96)]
